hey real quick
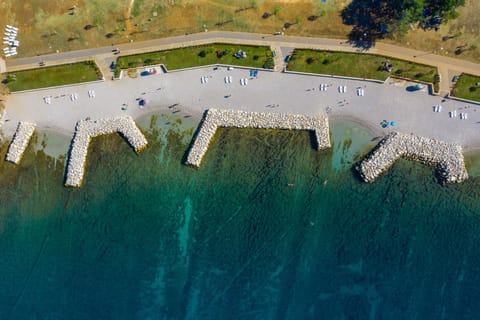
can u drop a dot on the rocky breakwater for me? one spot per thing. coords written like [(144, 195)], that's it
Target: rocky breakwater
[(20, 140), (88, 129), (214, 118), (446, 157)]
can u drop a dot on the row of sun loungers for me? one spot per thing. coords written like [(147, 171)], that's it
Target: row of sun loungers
[(360, 92), (342, 89), (9, 39), (73, 96), (228, 79), (204, 79), (323, 87), (462, 115), (451, 114), (243, 81)]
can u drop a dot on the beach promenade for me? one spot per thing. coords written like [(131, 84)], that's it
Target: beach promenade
[(184, 93), (190, 92), (447, 66)]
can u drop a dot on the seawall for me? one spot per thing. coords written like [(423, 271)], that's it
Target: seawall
[(20, 140), (446, 157), (88, 129), (214, 118)]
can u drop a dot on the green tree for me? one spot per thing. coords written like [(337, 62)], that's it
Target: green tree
[(372, 20)]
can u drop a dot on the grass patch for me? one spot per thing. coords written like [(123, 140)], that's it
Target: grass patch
[(52, 76), (357, 65), (467, 88), (257, 57)]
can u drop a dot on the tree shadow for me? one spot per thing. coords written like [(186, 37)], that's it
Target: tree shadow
[(370, 20)]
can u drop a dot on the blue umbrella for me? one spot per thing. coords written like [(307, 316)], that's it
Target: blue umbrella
[(393, 123)]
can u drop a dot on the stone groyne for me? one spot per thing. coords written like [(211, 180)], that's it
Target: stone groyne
[(214, 118), (20, 141), (446, 157), (88, 129)]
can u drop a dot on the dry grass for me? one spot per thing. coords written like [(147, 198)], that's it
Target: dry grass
[(46, 26)]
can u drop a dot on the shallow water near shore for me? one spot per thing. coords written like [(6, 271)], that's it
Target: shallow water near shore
[(267, 228)]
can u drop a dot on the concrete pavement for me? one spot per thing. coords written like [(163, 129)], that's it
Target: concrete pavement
[(413, 111)]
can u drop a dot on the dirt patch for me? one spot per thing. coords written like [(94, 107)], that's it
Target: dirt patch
[(460, 38)]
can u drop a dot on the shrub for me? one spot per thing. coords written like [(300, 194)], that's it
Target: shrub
[(310, 60), (418, 75), (255, 57), (472, 89), (268, 64), (202, 54), (399, 71), (325, 61)]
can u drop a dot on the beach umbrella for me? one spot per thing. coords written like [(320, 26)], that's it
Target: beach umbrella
[(393, 123)]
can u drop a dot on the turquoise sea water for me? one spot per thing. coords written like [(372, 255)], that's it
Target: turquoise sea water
[(267, 228)]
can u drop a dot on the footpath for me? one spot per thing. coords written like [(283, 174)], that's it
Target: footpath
[(447, 66)]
